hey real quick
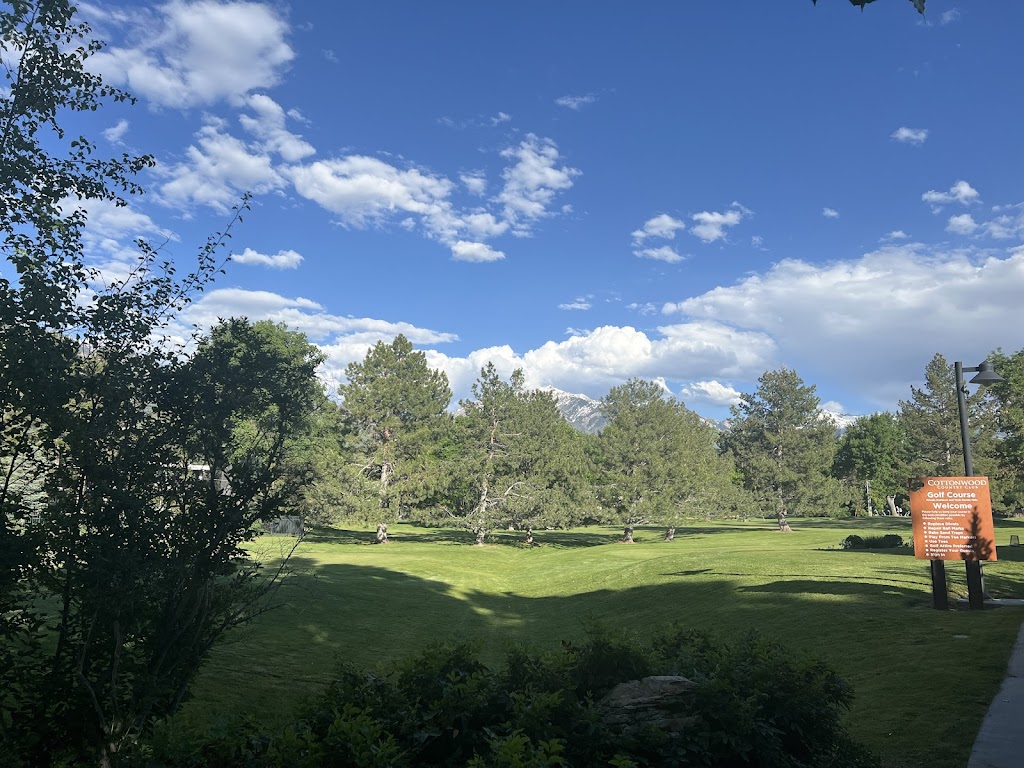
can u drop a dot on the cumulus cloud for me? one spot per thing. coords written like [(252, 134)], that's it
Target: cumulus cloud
[(830, 213), (268, 126), (948, 17), (475, 182), (662, 225), (116, 132), (910, 135), (711, 225), (662, 253), (888, 311), (575, 102), (964, 224), (361, 190), (709, 393), (464, 250), (961, 192), (186, 54), (364, 191), (343, 339), (286, 259), (532, 181), (896, 234), (218, 168)]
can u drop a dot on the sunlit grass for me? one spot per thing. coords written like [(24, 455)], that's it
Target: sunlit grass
[(923, 677)]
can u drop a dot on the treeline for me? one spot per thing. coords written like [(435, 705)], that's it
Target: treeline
[(506, 459)]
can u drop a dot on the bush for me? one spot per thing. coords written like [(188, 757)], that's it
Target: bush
[(750, 703), (888, 541)]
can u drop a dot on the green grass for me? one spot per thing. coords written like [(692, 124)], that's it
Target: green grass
[(923, 678)]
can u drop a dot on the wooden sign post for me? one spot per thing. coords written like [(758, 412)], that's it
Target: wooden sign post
[(952, 519)]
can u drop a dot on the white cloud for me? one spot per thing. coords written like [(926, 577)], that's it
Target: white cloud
[(579, 304), (645, 308), (116, 132), (964, 224), (757, 241), (709, 393), (830, 213), (464, 250), (532, 182), (711, 225), (474, 182), (910, 135), (1007, 225), (948, 17), (576, 102), (185, 54), (662, 225), (501, 117), (896, 234), (362, 190), (872, 323), (217, 169), (961, 192), (286, 259), (663, 253), (269, 127), (330, 55)]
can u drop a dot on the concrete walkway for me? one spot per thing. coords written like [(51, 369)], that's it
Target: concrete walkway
[(1000, 742)]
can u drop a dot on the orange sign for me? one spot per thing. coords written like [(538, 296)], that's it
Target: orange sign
[(952, 518)]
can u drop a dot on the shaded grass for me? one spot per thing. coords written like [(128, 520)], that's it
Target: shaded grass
[(923, 678)]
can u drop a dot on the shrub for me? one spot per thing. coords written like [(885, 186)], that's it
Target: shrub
[(753, 702), (888, 541)]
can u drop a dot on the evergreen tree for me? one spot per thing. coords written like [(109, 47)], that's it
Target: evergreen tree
[(658, 459), (871, 456), (932, 423), (397, 403), (519, 463), (1008, 400), (784, 447)]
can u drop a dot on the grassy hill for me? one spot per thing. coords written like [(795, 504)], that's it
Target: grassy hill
[(923, 678)]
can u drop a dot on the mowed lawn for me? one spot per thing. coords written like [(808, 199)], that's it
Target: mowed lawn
[(923, 678)]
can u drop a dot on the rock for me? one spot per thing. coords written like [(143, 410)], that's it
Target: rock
[(650, 702)]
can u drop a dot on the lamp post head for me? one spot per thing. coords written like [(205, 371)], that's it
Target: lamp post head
[(986, 375)]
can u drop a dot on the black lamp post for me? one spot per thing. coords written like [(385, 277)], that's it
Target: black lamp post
[(986, 375)]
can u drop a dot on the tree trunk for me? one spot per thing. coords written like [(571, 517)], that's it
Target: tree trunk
[(867, 497), (783, 522), (627, 535), (890, 502), (481, 535), (670, 534), (529, 537), (382, 534)]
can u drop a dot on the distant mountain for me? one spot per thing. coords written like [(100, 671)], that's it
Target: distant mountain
[(580, 411)]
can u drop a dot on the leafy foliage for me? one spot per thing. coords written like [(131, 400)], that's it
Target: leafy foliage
[(120, 566), (918, 4), (751, 702)]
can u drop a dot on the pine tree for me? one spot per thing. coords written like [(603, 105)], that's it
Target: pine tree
[(397, 404), (932, 423), (658, 459), (871, 455), (783, 447)]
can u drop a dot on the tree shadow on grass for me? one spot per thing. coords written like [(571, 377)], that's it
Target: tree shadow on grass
[(368, 614)]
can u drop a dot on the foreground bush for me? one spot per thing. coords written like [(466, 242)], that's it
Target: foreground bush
[(751, 703), (888, 541)]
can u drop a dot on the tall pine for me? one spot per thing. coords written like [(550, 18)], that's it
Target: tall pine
[(784, 446)]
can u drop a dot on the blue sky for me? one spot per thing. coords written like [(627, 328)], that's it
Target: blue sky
[(696, 192)]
